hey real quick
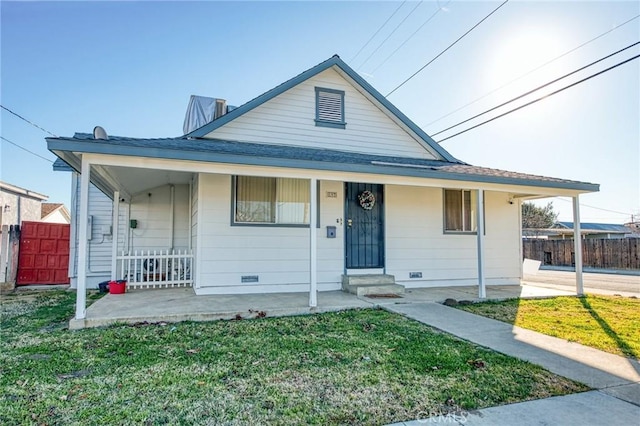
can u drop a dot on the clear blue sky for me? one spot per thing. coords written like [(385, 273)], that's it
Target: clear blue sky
[(131, 67)]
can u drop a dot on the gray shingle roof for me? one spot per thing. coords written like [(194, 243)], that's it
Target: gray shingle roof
[(234, 152), (602, 227)]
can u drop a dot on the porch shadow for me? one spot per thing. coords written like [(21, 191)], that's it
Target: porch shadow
[(621, 343)]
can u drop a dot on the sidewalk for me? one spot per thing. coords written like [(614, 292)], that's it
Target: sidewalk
[(616, 379)]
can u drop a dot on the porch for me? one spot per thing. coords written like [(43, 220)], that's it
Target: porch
[(182, 304), (200, 207)]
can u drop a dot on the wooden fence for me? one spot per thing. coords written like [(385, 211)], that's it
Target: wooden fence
[(621, 253)]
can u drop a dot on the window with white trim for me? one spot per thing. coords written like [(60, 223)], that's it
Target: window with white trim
[(264, 200), (460, 210), (330, 108)]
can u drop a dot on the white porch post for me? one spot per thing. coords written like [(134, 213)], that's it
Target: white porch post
[(114, 234), (482, 291), (313, 243), (577, 245), (81, 291)]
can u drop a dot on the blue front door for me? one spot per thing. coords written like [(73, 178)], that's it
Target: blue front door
[(364, 235)]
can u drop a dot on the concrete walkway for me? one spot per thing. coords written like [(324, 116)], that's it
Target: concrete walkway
[(182, 304), (616, 379)]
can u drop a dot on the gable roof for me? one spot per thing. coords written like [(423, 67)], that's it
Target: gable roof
[(47, 208), (334, 61), (257, 154)]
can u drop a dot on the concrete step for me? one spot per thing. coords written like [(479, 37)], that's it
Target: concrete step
[(368, 279), (371, 284)]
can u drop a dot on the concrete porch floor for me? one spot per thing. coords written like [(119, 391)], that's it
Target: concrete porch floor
[(182, 304)]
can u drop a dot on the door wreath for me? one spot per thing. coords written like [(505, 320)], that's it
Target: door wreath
[(367, 200)]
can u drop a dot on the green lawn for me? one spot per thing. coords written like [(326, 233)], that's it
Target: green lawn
[(608, 323), (353, 367)]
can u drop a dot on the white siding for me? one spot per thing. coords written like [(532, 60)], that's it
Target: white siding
[(194, 211), (416, 241), (278, 255), (99, 247), (288, 119), (152, 210), (331, 250), (153, 232)]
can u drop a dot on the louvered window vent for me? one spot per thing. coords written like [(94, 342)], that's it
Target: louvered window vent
[(330, 108)]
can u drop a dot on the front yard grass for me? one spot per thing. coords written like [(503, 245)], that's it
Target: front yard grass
[(352, 367), (608, 323)]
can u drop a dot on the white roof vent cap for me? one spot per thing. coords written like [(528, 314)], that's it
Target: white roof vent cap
[(99, 133)]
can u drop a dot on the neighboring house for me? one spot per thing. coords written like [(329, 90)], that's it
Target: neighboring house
[(19, 204), (54, 213), (563, 230), (313, 181)]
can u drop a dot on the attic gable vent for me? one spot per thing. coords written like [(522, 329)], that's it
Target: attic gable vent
[(330, 108)]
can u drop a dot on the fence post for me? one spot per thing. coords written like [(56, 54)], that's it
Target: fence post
[(4, 249), (14, 249)]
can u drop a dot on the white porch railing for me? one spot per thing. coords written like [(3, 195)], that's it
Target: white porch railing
[(156, 269)]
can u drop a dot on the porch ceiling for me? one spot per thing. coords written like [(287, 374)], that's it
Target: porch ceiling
[(136, 180)]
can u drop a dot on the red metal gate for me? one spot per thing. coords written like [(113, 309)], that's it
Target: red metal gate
[(44, 253)]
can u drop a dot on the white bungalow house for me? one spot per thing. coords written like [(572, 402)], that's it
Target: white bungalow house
[(317, 179)]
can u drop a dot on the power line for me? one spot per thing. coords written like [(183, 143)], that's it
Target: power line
[(24, 119), (438, 10), (449, 47), (531, 71), (594, 207), (389, 36), (25, 149), (536, 89), (376, 33), (541, 98)]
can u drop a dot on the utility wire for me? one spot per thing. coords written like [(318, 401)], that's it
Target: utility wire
[(438, 10), (541, 98), (449, 47), (376, 33), (24, 119), (25, 149), (594, 207), (531, 71), (536, 89), (389, 36)]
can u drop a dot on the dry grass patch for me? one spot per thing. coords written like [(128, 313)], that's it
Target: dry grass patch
[(353, 367), (608, 323)]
